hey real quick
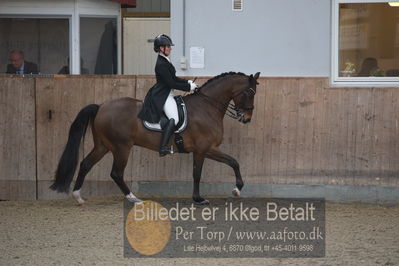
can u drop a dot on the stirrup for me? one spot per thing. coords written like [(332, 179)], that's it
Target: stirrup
[(165, 151)]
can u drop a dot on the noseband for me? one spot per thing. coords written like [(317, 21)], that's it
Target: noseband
[(233, 111)]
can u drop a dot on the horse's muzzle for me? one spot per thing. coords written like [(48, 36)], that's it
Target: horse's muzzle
[(244, 120)]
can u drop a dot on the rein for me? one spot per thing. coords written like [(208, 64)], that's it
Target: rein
[(229, 109)]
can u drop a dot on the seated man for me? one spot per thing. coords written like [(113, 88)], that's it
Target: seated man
[(18, 65)]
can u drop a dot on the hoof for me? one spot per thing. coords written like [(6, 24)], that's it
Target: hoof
[(77, 197), (135, 200), (201, 201), (236, 192), (204, 202), (132, 198)]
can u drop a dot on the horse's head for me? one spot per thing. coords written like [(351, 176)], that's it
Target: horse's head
[(244, 99)]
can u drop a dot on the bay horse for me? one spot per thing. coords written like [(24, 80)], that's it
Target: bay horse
[(116, 128)]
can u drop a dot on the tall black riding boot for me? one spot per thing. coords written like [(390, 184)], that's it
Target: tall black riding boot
[(167, 132)]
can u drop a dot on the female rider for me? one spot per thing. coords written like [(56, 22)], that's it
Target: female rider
[(160, 98)]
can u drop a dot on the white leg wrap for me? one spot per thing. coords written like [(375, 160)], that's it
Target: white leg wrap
[(132, 198), (78, 198), (170, 108), (236, 192)]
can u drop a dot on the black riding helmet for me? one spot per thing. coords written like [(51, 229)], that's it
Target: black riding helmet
[(162, 40)]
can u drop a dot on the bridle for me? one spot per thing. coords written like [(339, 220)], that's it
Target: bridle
[(231, 110)]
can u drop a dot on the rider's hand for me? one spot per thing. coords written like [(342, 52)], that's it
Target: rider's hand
[(193, 86)]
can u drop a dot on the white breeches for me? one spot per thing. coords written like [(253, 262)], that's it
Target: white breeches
[(170, 108)]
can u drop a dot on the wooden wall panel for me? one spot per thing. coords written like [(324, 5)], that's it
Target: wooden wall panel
[(17, 138), (302, 132)]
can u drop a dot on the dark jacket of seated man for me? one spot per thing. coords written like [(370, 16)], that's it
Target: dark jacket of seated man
[(29, 68)]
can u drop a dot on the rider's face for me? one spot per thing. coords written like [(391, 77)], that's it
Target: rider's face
[(166, 50)]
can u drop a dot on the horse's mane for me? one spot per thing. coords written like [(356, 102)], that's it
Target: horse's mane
[(221, 76)]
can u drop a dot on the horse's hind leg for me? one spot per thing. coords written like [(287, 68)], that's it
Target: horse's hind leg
[(121, 156), (87, 163), (217, 155)]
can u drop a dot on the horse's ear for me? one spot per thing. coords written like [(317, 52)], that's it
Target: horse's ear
[(256, 75)]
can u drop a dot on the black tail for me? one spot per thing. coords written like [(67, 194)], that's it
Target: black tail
[(69, 159)]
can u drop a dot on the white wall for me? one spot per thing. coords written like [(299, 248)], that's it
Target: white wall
[(276, 37)]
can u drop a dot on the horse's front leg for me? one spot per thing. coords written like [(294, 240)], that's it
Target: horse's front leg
[(198, 161), (217, 155)]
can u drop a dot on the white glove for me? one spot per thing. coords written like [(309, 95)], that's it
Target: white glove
[(193, 86)]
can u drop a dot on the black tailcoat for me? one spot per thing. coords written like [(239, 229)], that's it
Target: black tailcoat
[(155, 99)]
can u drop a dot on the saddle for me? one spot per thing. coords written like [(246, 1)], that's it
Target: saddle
[(180, 127)]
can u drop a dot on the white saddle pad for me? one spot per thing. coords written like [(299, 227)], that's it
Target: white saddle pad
[(157, 126)]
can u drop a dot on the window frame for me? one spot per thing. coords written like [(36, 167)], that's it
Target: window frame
[(335, 79), (72, 10), (119, 38), (44, 16)]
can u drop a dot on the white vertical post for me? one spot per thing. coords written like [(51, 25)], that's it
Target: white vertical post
[(75, 56), (334, 40), (119, 41)]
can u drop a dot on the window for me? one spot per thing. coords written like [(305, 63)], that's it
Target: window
[(98, 46), (35, 38), (365, 43)]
